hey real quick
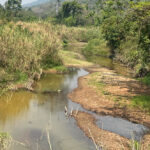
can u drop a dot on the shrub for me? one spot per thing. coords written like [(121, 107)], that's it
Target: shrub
[(27, 47)]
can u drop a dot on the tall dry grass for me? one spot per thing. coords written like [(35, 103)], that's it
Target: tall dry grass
[(25, 48)]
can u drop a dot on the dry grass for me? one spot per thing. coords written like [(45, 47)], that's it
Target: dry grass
[(70, 58)]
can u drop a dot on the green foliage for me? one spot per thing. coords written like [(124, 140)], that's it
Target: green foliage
[(20, 76), (13, 7), (13, 12), (142, 101), (128, 34), (88, 34), (146, 80), (96, 47), (113, 31), (70, 21), (70, 13), (29, 48), (72, 8), (61, 69)]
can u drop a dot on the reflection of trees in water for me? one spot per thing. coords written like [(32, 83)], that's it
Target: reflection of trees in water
[(14, 103), (51, 82), (73, 72), (70, 79), (55, 101)]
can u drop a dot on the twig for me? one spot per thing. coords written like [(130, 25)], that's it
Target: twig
[(48, 139), (96, 146)]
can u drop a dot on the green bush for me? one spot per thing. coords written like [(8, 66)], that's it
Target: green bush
[(96, 47), (142, 101), (70, 21), (146, 80)]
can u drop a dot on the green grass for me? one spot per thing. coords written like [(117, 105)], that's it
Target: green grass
[(21, 77), (146, 80), (61, 69), (142, 101), (94, 81), (73, 59)]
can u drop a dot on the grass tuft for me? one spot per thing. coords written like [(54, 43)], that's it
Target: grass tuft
[(142, 101)]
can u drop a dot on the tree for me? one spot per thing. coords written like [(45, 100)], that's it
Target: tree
[(57, 6), (71, 9), (2, 11), (70, 13), (13, 7)]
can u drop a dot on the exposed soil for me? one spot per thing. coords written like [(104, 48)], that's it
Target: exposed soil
[(102, 102), (107, 140), (96, 92)]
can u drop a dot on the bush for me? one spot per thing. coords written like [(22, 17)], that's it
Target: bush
[(96, 47), (25, 48), (70, 21)]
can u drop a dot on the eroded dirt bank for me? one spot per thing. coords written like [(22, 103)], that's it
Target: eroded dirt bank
[(106, 93), (107, 140)]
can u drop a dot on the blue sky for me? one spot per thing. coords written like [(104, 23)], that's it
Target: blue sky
[(23, 1)]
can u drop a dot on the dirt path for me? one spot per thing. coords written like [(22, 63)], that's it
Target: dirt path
[(106, 93)]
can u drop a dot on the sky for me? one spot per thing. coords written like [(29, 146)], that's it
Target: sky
[(23, 1)]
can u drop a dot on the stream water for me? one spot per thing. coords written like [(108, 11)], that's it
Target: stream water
[(28, 117)]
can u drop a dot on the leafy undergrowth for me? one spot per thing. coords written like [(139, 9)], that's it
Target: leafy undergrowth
[(146, 80), (96, 47), (142, 101), (61, 69)]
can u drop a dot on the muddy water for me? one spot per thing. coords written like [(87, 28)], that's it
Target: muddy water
[(26, 116)]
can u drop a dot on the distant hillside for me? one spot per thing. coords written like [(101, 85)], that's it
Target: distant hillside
[(38, 2), (44, 8)]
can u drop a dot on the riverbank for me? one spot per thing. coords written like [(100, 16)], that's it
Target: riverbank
[(106, 93), (105, 139)]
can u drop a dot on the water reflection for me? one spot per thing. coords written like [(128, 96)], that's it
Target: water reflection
[(26, 115)]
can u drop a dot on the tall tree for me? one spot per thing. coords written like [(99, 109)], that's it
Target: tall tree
[(57, 6), (13, 7), (2, 11)]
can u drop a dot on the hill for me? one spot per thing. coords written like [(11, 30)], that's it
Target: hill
[(38, 2)]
